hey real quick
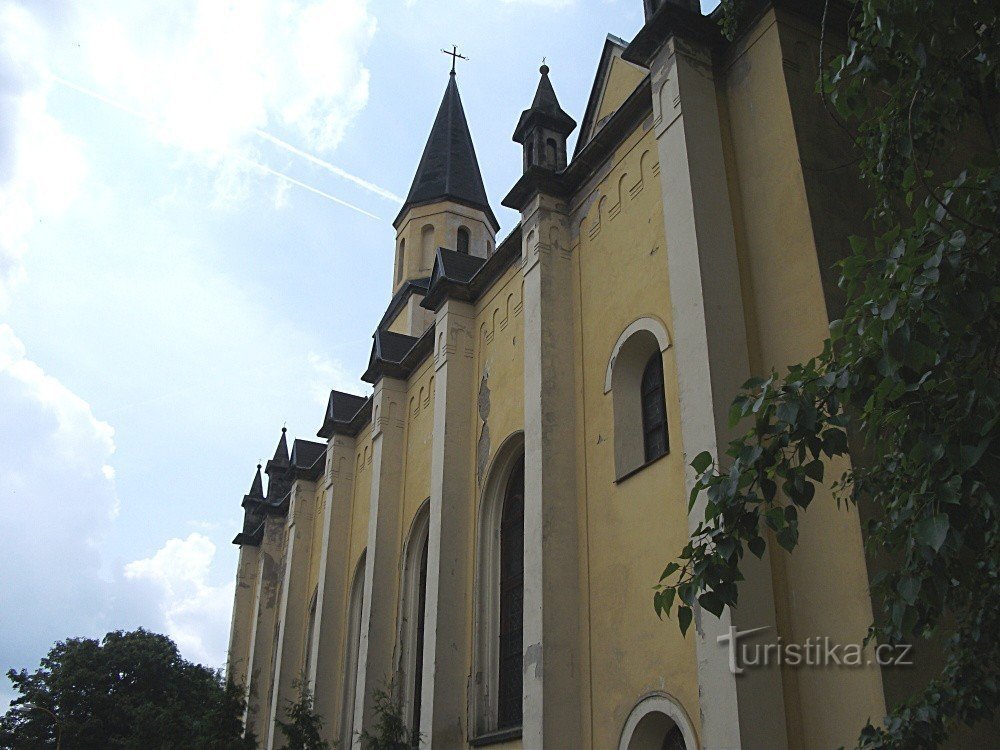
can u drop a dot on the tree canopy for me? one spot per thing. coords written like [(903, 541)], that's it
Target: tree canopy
[(131, 690), (908, 376)]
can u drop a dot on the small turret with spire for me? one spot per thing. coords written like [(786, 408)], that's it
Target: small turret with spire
[(279, 471), (253, 512), (544, 127)]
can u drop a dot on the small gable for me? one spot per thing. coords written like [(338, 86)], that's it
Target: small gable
[(615, 81)]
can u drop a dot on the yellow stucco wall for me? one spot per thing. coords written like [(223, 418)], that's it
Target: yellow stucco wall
[(820, 590), (416, 465), (623, 77), (361, 496), (634, 527)]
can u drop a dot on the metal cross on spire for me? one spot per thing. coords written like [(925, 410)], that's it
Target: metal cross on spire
[(454, 56)]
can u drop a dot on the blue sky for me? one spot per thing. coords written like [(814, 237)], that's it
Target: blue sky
[(168, 301)]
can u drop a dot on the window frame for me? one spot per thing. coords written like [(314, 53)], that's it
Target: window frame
[(653, 371), (627, 366), (410, 631), (483, 699)]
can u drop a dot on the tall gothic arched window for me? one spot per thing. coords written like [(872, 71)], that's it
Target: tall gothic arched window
[(511, 601), (411, 624), (351, 658), (463, 240), (654, 408)]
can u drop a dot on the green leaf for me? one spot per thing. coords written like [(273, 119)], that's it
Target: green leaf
[(909, 587), (670, 569), (757, 545), (788, 411), (701, 462), (933, 531), (711, 601), (684, 618), (814, 470), (788, 537)]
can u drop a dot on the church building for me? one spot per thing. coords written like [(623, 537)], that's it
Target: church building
[(481, 534)]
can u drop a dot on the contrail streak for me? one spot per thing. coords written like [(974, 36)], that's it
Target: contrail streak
[(102, 98), (310, 188), (334, 169)]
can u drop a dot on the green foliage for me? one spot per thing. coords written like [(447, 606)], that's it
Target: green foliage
[(910, 372), (131, 690), (302, 730), (390, 731)]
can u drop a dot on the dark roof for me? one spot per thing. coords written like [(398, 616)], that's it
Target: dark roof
[(448, 169), (257, 487), (280, 459), (388, 350), (340, 419), (307, 459), (455, 266), (305, 453), (544, 110), (462, 279), (341, 407), (418, 286)]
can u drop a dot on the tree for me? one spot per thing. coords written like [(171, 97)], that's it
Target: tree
[(389, 730), (130, 690), (302, 730), (909, 374)]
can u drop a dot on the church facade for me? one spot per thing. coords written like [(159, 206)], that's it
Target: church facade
[(481, 534)]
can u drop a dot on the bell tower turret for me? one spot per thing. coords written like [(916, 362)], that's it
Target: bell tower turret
[(543, 128), (447, 204)]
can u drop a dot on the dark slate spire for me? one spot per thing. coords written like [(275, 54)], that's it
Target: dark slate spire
[(545, 107), (448, 169), (281, 452), (257, 488)]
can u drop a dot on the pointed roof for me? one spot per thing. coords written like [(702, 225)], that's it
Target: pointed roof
[(280, 459), (257, 488), (545, 110), (448, 169)]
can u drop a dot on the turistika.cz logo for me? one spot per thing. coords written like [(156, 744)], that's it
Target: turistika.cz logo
[(815, 651)]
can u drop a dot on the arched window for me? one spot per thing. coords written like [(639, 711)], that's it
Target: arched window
[(654, 409), (411, 629), (351, 657), (427, 244), (658, 722), (511, 601), (498, 643), (400, 260), (635, 380), (463, 240)]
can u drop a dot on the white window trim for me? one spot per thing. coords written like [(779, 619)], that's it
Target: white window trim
[(409, 608), (660, 703), (486, 618), (653, 325)]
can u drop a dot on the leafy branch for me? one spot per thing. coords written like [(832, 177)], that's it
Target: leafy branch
[(909, 373)]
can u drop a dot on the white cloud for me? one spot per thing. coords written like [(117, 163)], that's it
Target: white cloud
[(57, 500), (212, 72), (196, 613), (41, 167), (78, 439)]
